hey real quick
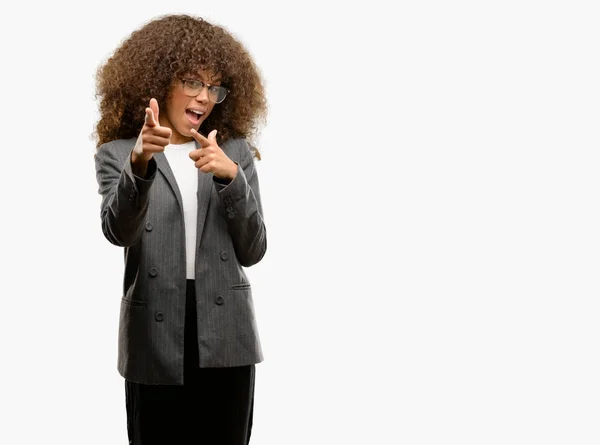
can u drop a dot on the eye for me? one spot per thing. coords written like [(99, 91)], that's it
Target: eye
[(214, 88), (195, 83)]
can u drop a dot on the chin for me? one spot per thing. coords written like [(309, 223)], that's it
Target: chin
[(186, 130)]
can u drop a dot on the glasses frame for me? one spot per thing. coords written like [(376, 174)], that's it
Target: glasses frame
[(205, 85)]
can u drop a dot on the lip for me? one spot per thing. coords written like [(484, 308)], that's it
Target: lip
[(194, 120)]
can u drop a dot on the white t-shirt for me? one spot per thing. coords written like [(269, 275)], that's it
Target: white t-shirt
[(186, 175)]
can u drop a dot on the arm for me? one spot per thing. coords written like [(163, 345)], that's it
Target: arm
[(243, 210), (125, 196)]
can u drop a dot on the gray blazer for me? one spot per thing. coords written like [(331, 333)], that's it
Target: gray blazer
[(145, 216)]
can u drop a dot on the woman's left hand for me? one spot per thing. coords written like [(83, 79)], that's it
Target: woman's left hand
[(209, 158)]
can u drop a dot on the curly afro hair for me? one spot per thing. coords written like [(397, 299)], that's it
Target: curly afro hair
[(152, 57)]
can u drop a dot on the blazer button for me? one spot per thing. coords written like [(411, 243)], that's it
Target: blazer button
[(231, 215), (153, 272), (219, 300), (228, 200), (224, 256), (229, 209), (158, 316), (149, 226)]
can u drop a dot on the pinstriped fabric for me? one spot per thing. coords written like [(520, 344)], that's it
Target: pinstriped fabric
[(145, 217)]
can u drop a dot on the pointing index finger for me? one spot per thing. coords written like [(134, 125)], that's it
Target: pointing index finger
[(204, 142)]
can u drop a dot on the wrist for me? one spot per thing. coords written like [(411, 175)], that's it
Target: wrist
[(139, 165), (234, 170)]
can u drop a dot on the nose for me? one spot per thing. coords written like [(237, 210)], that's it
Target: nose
[(203, 95)]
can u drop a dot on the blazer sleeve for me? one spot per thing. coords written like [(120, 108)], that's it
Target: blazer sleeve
[(125, 196), (243, 209)]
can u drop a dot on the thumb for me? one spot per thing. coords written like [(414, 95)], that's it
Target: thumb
[(212, 136), (153, 119)]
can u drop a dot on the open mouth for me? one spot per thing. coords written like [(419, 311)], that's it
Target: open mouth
[(194, 116)]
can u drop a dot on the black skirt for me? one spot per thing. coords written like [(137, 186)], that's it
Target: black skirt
[(214, 406)]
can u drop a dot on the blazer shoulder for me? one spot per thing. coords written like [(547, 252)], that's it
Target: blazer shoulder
[(235, 148), (119, 148), (234, 143)]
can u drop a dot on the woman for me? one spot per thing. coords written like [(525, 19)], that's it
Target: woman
[(178, 101)]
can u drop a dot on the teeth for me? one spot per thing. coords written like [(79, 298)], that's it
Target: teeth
[(199, 113)]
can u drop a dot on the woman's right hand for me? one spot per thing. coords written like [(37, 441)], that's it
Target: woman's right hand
[(152, 139)]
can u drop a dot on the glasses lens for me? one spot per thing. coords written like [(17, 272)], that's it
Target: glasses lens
[(218, 94), (192, 87)]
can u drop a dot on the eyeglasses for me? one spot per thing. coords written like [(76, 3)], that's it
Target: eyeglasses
[(193, 87)]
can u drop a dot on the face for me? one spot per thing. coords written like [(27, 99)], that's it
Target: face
[(179, 116)]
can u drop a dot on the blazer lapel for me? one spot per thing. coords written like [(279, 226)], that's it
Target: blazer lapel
[(165, 169), (205, 186)]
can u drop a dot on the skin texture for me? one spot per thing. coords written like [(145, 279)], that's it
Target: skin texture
[(148, 65)]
